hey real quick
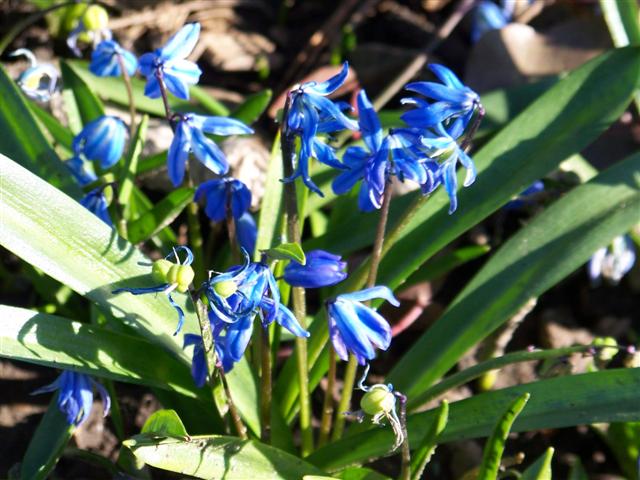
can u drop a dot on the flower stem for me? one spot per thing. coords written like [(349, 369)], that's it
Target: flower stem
[(231, 230), (163, 93), (233, 411), (405, 472), (132, 104), (297, 293), (265, 385), (345, 399), (195, 240), (327, 405)]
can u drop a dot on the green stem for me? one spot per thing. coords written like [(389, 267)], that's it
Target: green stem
[(265, 385), (195, 241), (327, 404), (405, 472), (345, 399), (297, 293), (132, 105), (233, 411)]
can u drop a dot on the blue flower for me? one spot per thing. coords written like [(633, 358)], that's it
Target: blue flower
[(77, 167), (310, 113), (190, 137), (224, 193), (169, 64), (105, 61), (96, 203), (322, 269), (356, 328), (411, 160), (198, 360), (526, 197), (75, 396), (39, 81), (453, 100), (612, 262), (173, 276), (101, 140), (488, 16), (247, 232)]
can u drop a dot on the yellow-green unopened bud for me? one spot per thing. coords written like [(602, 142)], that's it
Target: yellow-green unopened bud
[(225, 288), (72, 16), (95, 18), (160, 270), (377, 400), (182, 275)]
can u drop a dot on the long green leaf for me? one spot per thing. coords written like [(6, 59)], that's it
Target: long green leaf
[(128, 170), (23, 140), (548, 249), (89, 105), (62, 343), (219, 457), (541, 468), (271, 210), (253, 106), (605, 396)]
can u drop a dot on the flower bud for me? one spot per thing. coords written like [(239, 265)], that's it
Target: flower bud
[(160, 270), (322, 269), (95, 18), (225, 288), (378, 400)]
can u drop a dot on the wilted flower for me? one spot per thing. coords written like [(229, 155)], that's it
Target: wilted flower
[(190, 137), (101, 140), (356, 328), (105, 60), (322, 269), (75, 395), (173, 276), (222, 194), (169, 65), (612, 262), (96, 203), (39, 81)]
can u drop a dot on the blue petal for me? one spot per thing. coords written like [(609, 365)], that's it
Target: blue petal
[(181, 248), (152, 88), (216, 195), (177, 86), (325, 154), (285, 318), (336, 338), (178, 154), (330, 85), (142, 290), (438, 92), (247, 232), (238, 336), (328, 108), (377, 328), (348, 325), (79, 172), (179, 311), (147, 64), (182, 43), (370, 294), (104, 395), (446, 76), (96, 203), (369, 123), (222, 125), (208, 153), (448, 174)]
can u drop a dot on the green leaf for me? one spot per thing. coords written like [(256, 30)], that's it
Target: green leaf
[(61, 134), (605, 396), (494, 447), (549, 248), (442, 264), (219, 457), (359, 473), (165, 423), (23, 140), (541, 468), (46, 445), (428, 446), (271, 210), (129, 168), (160, 216), (51, 231), (623, 19), (244, 390), (287, 251), (58, 342), (624, 441), (254, 105), (89, 106)]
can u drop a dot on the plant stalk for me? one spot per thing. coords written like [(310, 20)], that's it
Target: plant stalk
[(265, 385), (233, 411), (132, 104), (405, 471), (231, 230), (345, 399), (327, 405)]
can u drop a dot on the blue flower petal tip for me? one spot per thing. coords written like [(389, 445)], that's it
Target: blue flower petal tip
[(322, 269)]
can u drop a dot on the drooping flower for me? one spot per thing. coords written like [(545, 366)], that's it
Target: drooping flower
[(75, 396), (101, 140), (190, 137), (96, 203), (358, 329), (40, 80), (322, 269), (198, 360), (310, 113), (612, 262), (247, 232), (105, 60), (169, 65), (172, 276), (224, 193), (452, 100)]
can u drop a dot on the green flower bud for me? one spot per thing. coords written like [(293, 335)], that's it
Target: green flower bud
[(226, 288), (95, 18), (72, 16), (182, 275), (378, 400), (160, 270)]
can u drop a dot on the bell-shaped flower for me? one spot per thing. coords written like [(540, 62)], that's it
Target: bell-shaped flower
[(489, 16), (170, 66), (96, 203), (452, 100), (310, 113), (190, 137), (358, 329), (612, 262), (40, 80), (80, 173), (322, 269), (247, 232), (224, 194), (171, 276), (75, 396), (106, 58), (102, 140)]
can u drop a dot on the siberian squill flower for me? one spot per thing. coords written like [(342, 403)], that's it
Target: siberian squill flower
[(525, 197), (190, 137), (75, 395), (39, 81), (96, 203), (101, 140), (452, 100), (310, 113), (105, 60), (612, 262), (223, 194), (169, 64), (489, 16), (247, 232), (322, 269), (171, 276), (358, 329)]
